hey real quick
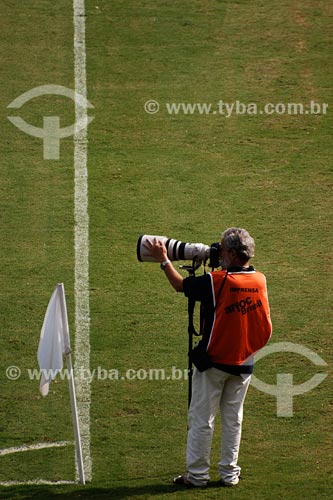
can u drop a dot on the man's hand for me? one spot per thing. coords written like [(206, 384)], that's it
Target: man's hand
[(156, 249)]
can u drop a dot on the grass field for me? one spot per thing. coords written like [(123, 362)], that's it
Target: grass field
[(188, 176)]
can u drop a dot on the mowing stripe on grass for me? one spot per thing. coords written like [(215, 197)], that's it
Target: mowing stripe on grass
[(81, 236)]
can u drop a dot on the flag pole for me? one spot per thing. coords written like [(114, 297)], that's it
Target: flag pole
[(68, 351)]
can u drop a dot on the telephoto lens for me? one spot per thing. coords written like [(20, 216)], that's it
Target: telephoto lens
[(177, 250)]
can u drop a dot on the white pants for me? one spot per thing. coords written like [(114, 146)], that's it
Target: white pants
[(212, 389)]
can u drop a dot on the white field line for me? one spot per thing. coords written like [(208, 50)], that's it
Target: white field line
[(81, 272), (32, 447), (81, 237), (34, 481)]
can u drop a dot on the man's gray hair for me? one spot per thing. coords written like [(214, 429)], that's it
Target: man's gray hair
[(239, 240)]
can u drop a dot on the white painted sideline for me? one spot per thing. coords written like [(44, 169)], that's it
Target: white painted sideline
[(81, 271), (33, 482), (81, 237), (32, 447)]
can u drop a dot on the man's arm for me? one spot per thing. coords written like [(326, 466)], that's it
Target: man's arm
[(175, 279), (158, 250)]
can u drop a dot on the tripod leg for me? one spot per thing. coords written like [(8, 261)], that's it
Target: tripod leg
[(190, 367), (191, 331)]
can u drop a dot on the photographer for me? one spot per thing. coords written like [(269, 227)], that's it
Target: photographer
[(236, 323)]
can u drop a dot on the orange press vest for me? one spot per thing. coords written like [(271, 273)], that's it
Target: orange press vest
[(241, 324)]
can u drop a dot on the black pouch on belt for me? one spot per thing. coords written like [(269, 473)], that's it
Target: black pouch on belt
[(200, 357)]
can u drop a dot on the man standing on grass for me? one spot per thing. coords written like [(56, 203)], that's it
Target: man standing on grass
[(236, 325)]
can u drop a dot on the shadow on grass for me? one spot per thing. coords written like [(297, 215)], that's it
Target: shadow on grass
[(115, 493)]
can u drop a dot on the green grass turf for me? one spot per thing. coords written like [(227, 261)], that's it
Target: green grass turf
[(188, 177)]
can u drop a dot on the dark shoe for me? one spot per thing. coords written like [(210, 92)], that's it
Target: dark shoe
[(183, 481)]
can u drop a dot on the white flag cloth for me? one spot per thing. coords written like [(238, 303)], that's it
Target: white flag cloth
[(51, 344)]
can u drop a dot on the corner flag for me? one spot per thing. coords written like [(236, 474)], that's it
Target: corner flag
[(54, 343), (51, 345)]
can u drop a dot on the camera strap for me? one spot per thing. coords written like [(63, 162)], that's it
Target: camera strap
[(190, 310), (204, 309), (220, 289), (192, 331)]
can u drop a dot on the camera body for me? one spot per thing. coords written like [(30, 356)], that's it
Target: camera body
[(177, 250)]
